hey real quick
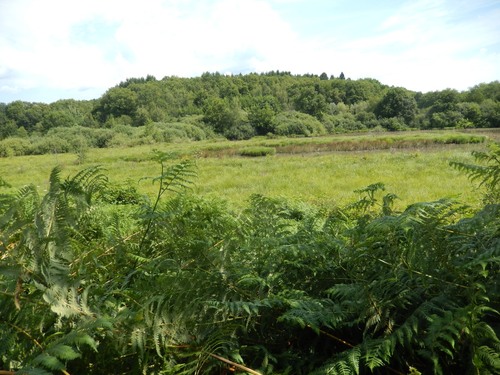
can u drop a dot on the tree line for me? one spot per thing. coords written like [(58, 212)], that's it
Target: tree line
[(243, 106)]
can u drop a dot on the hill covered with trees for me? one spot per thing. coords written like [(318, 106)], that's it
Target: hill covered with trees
[(148, 110)]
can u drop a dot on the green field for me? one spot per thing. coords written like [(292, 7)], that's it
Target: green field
[(321, 170)]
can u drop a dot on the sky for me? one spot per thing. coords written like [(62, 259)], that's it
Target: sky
[(77, 49)]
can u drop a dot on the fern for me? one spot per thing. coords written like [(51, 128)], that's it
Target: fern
[(86, 184), (48, 300), (346, 363), (183, 285), (486, 172), (173, 178)]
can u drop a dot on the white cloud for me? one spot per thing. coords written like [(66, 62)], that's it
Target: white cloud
[(57, 43), (422, 45), (426, 45)]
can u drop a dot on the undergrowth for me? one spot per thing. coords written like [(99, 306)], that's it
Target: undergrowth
[(179, 284)]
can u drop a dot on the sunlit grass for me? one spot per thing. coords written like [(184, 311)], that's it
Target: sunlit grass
[(330, 179), (320, 177)]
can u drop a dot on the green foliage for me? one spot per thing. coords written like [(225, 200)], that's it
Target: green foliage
[(242, 106), (298, 124), (24, 114), (262, 114), (257, 151), (14, 147), (308, 100), (121, 194), (170, 132), (182, 285), (49, 145), (116, 102), (218, 114), (487, 172), (397, 102)]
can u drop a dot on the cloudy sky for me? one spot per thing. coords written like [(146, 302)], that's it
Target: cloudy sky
[(55, 49)]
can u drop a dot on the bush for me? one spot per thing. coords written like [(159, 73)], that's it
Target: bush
[(343, 122), (102, 138), (14, 147), (461, 139), (173, 131), (295, 123), (169, 134), (49, 145), (190, 131), (393, 124), (239, 132), (99, 138), (119, 194), (194, 132)]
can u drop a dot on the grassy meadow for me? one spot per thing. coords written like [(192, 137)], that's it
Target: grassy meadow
[(322, 170)]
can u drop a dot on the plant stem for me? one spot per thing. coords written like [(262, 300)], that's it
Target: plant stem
[(234, 364)]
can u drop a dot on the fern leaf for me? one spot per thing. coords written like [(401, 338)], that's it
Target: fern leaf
[(486, 358), (345, 363), (48, 361), (63, 352)]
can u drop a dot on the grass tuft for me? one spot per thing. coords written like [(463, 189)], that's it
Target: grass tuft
[(257, 151)]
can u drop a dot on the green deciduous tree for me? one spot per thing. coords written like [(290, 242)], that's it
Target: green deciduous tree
[(57, 118), (309, 100), (116, 102), (227, 118), (27, 115), (397, 102), (217, 114), (262, 113), (490, 113)]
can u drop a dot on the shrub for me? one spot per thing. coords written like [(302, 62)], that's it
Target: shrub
[(393, 123), (239, 132), (49, 145), (295, 123), (102, 137), (14, 146), (169, 134), (193, 132), (99, 138), (121, 194), (173, 131), (344, 122)]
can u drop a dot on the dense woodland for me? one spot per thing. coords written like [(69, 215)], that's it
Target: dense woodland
[(147, 110)]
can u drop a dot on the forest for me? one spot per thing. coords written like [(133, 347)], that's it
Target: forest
[(97, 277), (147, 111)]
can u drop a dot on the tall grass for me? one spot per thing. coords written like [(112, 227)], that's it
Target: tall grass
[(330, 179), (301, 168)]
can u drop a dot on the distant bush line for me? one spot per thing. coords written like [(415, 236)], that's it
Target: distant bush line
[(147, 110)]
